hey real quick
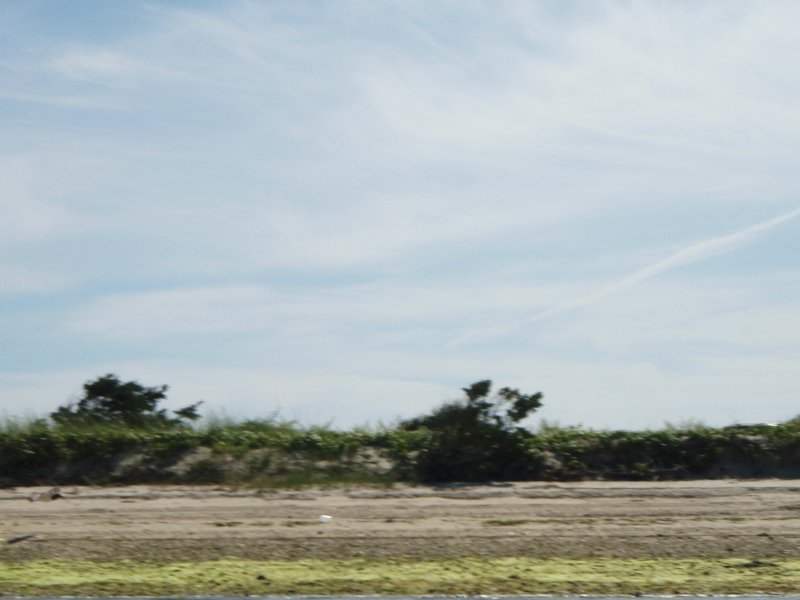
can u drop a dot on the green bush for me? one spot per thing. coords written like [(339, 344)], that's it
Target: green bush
[(107, 400), (477, 439)]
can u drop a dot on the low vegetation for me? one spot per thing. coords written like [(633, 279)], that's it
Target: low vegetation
[(467, 576), (478, 438), (118, 434)]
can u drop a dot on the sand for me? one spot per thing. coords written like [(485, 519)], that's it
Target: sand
[(759, 519)]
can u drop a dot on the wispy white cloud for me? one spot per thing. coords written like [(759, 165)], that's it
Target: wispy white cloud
[(111, 68), (340, 190), (312, 311), (19, 281), (30, 186), (627, 73), (103, 62), (697, 252)]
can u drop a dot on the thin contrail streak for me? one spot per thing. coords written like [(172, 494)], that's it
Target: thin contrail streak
[(694, 253)]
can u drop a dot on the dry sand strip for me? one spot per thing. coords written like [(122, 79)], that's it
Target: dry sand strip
[(758, 519)]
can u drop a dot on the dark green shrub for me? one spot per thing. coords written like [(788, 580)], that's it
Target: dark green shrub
[(477, 439), (107, 400)]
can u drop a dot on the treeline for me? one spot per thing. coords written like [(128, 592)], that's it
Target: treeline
[(475, 439)]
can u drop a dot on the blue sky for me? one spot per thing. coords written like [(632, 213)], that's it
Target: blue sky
[(346, 211)]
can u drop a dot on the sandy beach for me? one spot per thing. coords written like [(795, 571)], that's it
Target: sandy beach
[(713, 519)]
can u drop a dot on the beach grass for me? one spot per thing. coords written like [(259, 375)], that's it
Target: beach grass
[(231, 576)]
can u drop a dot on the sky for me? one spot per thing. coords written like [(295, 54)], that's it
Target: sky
[(344, 212)]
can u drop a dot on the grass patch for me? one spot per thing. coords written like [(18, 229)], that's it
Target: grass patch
[(399, 577)]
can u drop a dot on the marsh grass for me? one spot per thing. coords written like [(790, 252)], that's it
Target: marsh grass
[(470, 576)]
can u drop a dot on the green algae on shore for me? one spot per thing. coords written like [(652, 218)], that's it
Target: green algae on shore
[(232, 576)]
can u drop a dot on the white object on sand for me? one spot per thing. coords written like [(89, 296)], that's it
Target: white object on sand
[(49, 495), (325, 518)]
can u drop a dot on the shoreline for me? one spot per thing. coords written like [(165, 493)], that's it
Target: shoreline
[(731, 535)]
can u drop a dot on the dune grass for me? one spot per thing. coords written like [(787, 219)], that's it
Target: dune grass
[(397, 577), (36, 451)]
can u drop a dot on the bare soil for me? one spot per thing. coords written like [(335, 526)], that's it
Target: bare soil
[(755, 518)]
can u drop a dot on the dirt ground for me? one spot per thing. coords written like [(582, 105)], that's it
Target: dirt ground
[(754, 518)]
